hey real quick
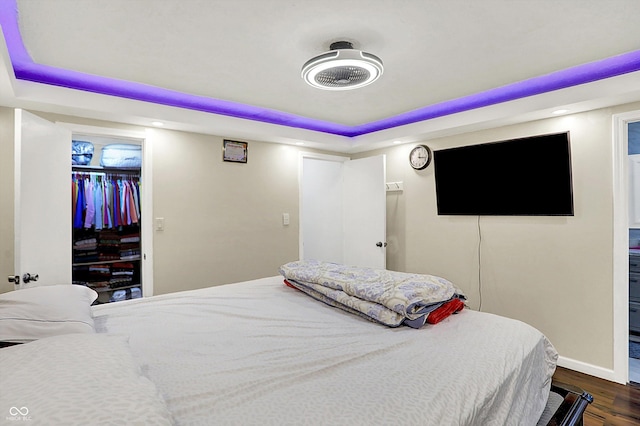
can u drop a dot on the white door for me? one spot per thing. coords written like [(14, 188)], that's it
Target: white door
[(321, 210), (343, 210), (365, 217), (42, 201)]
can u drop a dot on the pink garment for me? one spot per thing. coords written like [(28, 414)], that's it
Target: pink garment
[(126, 207), (91, 207), (132, 204), (106, 219)]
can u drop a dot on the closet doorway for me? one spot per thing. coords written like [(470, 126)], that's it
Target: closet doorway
[(633, 143), (131, 275), (107, 197), (43, 200), (622, 362)]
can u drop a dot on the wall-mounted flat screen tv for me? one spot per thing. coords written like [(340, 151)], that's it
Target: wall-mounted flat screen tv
[(524, 177)]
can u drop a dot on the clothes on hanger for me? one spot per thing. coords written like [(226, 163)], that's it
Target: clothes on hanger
[(105, 201)]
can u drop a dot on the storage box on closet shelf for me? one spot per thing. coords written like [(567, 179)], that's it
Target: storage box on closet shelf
[(81, 153), (122, 156)]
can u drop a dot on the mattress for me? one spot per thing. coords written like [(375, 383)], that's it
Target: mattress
[(259, 352)]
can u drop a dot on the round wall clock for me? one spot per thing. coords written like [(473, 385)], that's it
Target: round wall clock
[(420, 157)]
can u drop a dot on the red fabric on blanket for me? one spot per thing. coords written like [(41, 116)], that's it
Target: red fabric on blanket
[(448, 308), (288, 284)]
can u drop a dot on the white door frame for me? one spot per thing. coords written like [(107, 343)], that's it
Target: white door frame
[(621, 245), (301, 156), (144, 137)]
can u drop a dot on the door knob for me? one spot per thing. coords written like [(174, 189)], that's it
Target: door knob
[(14, 279), (28, 277), (381, 244)]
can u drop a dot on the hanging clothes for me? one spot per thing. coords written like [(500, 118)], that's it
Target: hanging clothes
[(90, 211), (79, 202), (105, 201), (98, 196)]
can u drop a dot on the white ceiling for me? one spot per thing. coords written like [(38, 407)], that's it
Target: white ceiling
[(251, 52)]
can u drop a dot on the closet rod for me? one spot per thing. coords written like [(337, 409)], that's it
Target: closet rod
[(107, 170), (104, 174)]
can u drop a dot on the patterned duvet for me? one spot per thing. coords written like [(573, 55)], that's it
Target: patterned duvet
[(261, 353), (388, 297)]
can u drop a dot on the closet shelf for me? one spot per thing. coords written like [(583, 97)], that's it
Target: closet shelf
[(111, 290), (105, 262)]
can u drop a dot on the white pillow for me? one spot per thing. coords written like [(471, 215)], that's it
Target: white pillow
[(38, 312), (78, 379)]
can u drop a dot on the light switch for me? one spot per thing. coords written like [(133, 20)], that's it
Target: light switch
[(285, 219), (159, 223), (394, 186)]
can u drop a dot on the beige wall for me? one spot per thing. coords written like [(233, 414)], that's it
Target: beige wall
[(554, 273), (223, 223)]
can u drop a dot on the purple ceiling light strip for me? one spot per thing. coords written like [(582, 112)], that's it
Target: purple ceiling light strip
[(581, 74), (26, 69)]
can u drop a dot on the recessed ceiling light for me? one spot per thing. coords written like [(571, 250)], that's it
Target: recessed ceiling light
[(397, 142), (299, 143), (342, 68), (157, 123), (560, 111)]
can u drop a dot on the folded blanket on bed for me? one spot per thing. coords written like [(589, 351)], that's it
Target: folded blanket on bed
[(391, 298)]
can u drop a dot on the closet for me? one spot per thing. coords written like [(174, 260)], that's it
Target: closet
[(633, 147), (106, 214)]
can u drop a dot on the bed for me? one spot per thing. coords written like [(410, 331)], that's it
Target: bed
[(261, 352)]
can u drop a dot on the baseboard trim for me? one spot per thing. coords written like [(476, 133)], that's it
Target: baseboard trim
[(590, 369)]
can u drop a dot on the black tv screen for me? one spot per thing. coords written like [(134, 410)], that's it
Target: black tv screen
[(526, 177)]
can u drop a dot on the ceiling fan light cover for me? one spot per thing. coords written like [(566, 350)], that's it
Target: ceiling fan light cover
[(342, 69)]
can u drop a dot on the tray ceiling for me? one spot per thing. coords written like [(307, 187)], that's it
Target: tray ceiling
[(247, 54)]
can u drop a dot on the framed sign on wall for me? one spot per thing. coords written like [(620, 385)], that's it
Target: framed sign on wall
[(234, 151)]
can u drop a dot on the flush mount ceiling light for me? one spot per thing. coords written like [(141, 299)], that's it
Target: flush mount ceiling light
[(342, 68)]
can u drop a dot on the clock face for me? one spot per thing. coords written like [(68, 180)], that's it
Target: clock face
[(420, 157)]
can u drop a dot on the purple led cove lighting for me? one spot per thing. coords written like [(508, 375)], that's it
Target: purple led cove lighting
[(581, 74), (26, 69), (142, 92)]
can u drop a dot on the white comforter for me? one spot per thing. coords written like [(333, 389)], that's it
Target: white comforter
[(262, 353)]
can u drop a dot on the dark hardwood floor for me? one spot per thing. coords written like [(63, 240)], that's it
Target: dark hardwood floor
[(613, 404)]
